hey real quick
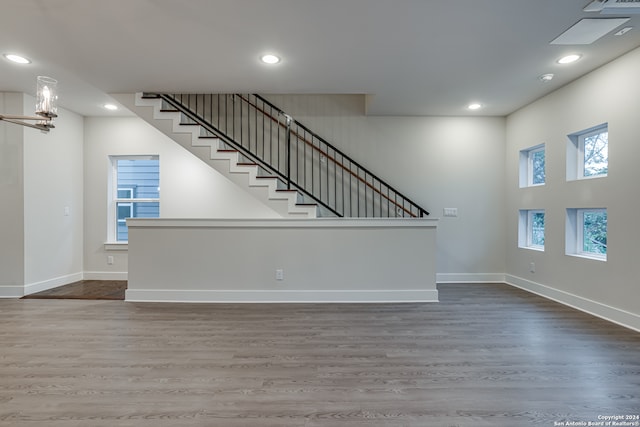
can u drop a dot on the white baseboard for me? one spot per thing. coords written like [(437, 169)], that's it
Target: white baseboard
[(105, 275), (33, 288), (262, 296), (470, 278), (11, 291), (612, 314)]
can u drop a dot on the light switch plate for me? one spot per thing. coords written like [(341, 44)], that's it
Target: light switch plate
[(452, 212)]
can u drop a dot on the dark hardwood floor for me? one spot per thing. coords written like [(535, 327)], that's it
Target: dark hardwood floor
[(86, 289), (486, 355)]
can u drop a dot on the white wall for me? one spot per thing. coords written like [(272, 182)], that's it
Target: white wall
[(12, 199), (322, 260), (53, 181), (610, 289), (189, 187), (438, 162)]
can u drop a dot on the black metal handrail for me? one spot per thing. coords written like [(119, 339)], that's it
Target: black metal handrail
[(302, 159)]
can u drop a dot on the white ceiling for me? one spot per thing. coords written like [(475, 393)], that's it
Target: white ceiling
[(414, 57)]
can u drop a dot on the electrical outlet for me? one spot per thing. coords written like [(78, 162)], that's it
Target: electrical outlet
[(532, 267), (279, 274), (110, 260)]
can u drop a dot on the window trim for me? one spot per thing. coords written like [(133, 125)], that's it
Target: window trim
[(122, 201), (575, 153), (112, 242), (530, 171), (526, 166), (530, 215), (525, 229), (574, 234)]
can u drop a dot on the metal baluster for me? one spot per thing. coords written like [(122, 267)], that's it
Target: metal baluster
[(270, 142), (350, 189), (327, 175), (304, 163), (278, 152), (288, 151), (358, 192), (319, 167), (335, 182), (233, 119)]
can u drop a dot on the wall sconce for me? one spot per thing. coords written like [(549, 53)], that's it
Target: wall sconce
[(46, 107)]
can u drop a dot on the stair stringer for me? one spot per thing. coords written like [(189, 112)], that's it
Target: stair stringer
[(224, 161)]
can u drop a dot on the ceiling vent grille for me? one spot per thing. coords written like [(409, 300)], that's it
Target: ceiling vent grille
[(614, 7)]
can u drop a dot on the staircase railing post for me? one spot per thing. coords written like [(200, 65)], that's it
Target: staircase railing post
[(288, 118)]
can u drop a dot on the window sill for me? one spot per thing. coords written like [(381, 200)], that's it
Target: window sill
[(586, 178), (119, 246), (592, 257), (533, 248)]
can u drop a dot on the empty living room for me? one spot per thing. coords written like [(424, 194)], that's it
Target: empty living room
[(304, 213)]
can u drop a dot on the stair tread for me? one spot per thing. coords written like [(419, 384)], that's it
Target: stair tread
[(224, 150), (168, 110), (267, 177), (246, 164), (189, 124), (208, 137)]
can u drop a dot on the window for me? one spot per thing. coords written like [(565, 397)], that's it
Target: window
[(532, 166), (587, 233), (135, 192), (588, 153), (531, 229)]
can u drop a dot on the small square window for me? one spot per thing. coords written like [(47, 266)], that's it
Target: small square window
[(532, 166), (531, 229), (588, 153), (586, 233)]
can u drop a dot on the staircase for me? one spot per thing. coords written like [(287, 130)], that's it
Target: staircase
[(212, 150), (277, 159)]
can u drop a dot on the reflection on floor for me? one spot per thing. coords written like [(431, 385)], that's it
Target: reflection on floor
[(86, 289)]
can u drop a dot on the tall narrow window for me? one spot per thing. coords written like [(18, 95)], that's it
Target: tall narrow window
[(588, 153), (532, 166), (587, 233), (531, 229), (136, 192)]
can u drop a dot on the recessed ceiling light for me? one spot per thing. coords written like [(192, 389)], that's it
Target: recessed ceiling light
[(569, 59), (110, 107), (17, 58), (546, 77), (270, 59), (474, 106)]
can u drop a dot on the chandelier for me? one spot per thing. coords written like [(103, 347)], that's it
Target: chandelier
[(46, 107)]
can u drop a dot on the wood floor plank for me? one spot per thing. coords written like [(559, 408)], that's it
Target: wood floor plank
[(487, 355), (86, 289)]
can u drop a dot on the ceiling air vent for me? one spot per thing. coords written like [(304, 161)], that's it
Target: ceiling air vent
[(614, 7)]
